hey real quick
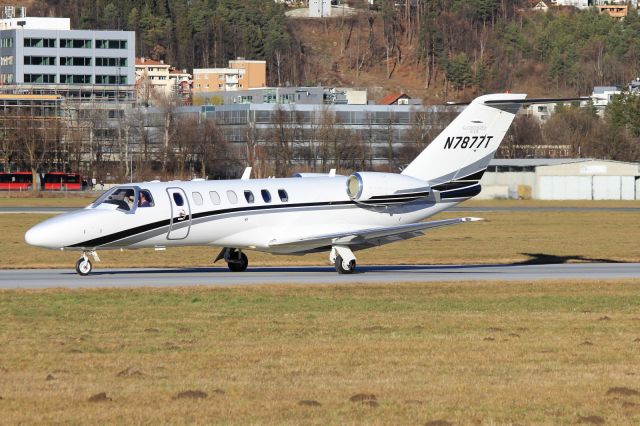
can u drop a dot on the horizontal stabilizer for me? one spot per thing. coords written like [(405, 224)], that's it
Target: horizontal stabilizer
[(363, 236)]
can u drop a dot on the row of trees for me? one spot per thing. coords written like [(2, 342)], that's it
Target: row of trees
[(578, 132), (168, 144)]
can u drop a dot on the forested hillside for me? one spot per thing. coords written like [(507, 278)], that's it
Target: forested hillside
[(436, 49)]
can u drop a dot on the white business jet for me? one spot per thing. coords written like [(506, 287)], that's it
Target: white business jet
[(298, 215)]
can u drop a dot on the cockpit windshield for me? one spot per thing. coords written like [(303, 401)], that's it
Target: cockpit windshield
[(122, 197)]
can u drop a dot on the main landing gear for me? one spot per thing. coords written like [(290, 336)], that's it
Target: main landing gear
[(236, 260), (343, 259), (83, 265)]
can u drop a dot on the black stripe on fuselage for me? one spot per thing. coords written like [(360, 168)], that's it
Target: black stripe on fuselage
[(107, 239)]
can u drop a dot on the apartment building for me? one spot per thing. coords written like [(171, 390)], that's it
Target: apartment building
[(616, 11), (47, 51), (241, 74)]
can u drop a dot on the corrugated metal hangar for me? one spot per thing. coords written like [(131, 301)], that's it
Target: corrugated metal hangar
[(561, 179)]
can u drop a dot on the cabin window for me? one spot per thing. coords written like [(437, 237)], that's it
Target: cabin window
[(266, 196), (284, 197), (249, 197), (145, 199), (197, 198), (178, 199), (215, 198), (232, 197)]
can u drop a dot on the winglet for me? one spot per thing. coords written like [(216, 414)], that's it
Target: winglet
[(247, 174)]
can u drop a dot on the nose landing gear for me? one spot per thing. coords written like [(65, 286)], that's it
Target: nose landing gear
[(83, 265)]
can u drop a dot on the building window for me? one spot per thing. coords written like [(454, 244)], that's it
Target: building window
[(75, 61), (111, 79), (6, 60), (6, 42), (39, 60), (111, 62), (71, 43), (6, 78), (75, 79), (39, 42), (40, 78), (111, 44), (115, 113)]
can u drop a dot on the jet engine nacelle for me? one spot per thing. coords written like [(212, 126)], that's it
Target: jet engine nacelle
[(385, 188)]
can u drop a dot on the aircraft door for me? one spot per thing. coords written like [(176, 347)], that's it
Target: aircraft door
[(180, 221)]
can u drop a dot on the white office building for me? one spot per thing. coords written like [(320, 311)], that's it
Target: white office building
[(47, 51)]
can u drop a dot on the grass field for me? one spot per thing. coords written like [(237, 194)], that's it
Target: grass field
[(464, 353), (505, 236)]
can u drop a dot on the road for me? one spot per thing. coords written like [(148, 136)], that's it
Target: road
[(170, 277)]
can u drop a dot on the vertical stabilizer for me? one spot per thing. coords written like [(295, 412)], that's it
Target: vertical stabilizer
[(463, 150)]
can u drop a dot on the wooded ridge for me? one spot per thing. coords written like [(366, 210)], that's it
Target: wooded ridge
[(436, 49)]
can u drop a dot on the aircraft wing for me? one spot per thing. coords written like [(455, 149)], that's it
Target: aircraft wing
[(370, 236)]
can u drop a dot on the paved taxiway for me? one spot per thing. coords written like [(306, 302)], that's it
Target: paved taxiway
[(219, 276)]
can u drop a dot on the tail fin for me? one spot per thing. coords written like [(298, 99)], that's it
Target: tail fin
[(463, 150)]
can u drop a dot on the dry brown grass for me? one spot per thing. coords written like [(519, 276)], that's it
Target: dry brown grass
[(506, 236), (467, 353), (47, 199)]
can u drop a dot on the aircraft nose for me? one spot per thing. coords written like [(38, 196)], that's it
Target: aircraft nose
[(38, 236)]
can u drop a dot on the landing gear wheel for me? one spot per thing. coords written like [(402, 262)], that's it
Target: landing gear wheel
[(340, 267), (239, 263), (83, 266)]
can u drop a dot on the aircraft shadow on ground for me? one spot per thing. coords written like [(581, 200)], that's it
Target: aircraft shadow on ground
[(551, 259)]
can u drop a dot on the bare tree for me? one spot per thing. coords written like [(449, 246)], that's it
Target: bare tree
[(282, 141), (7, 139)]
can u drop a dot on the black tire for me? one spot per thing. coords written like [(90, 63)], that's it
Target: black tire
[(239, 265), (341, 270), (83, 267)]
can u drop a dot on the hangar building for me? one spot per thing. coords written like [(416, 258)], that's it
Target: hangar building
[(561, 179)]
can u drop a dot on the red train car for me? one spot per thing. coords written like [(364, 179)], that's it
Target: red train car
[(16, 181), (60, 181)]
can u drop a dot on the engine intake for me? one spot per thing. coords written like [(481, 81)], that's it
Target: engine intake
[(385, 188)]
